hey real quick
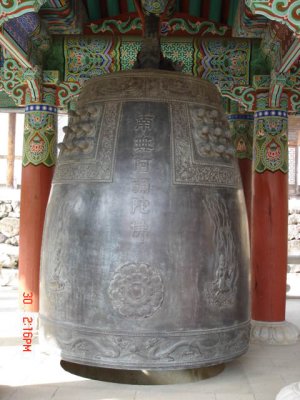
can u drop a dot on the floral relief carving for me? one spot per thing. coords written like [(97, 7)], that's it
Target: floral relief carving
[(136, 290)]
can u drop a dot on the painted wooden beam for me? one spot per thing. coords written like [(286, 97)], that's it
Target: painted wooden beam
[(131, 6), (205, 9), (195, 8), (234, 4), (123, 6), (291, 56), (286, 12), (225, 11), (113, 8), (215, 9), (94, 10), (14, 52), (185, 6), (279, 77), (16, 8), (103, 8)]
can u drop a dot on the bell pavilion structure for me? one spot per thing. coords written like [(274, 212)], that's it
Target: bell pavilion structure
[(248, 48)]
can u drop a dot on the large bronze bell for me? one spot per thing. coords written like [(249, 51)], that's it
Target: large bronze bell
[(145, 259)]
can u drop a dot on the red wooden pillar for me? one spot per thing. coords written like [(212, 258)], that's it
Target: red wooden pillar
[(241, 127), (269, 229), (39, 153)]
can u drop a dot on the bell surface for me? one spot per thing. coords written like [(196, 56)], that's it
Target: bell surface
[(145, 256)]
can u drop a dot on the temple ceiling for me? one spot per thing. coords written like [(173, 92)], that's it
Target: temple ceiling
[(244, 47), (219, 11)]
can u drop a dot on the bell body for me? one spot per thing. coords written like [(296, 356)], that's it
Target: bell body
[(145, 259)]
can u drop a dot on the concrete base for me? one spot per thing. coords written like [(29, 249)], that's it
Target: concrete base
[(274, 332), (290, 392)]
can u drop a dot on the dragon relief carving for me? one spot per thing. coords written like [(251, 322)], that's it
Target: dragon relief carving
[(58, 285), (222, 290), (155, 349)]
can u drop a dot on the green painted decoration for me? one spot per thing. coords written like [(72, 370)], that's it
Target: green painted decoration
[(94, 9), (222, 60), (234, 5), (271, 141), (241, 127), (244, 95), (40, 135), (113, 8), (88, 57), (67, 92), (51, 77), (173, 26), (198, 28), (180, 51), (154, 6), (128, 53), (113, 25), (12, 81), (131, 6), (15, 8), (215, 9), (6, 101), (195, 8), (285, 11)]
